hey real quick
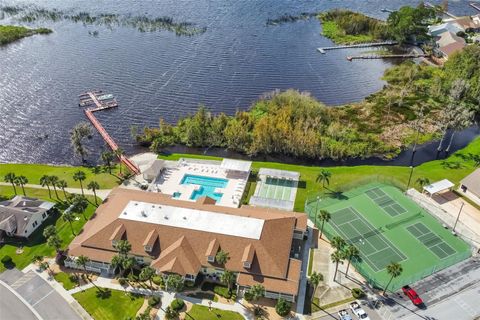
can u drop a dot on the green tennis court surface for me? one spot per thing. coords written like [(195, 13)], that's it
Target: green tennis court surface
[(386, 226)]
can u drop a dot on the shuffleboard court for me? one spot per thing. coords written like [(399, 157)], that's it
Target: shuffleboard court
[(386, 226)]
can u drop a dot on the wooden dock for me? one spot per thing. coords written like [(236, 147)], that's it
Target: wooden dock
[(473, 5), (428, 4), (360, 45), (97, 101), (388, 56)]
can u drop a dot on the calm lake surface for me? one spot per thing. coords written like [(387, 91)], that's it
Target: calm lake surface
[(159, 74)]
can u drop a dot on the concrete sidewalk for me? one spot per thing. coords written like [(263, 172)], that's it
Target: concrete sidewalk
[(101, 193)]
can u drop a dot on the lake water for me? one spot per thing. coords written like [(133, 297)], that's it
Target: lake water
[(160, 74)]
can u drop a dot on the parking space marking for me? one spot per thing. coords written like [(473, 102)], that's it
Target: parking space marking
[(33, 305)]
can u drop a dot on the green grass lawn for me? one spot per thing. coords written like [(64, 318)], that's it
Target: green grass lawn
[(111, 305), (64, 279), (455, 168), (33, 172), (36, 245), (199, 312)]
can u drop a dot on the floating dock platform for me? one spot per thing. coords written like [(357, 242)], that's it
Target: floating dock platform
[(360, 45)]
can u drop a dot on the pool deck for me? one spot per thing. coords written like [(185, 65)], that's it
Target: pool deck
[(169, 181)]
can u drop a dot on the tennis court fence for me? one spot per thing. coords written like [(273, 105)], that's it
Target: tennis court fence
[(369, 275)]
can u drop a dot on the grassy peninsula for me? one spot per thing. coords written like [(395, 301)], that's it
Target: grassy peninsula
[(10, 34), (430, 99)]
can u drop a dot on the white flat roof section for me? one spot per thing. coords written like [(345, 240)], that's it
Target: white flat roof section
[(194, 219), (438, 186), (236, 165), (283, 174)]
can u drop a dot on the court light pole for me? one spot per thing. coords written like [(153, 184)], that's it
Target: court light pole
[(410, 178), (458, 217), (414, 150), (316, 210)]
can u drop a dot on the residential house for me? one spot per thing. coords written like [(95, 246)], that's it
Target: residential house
[(21, 216), (470, 186), (448, 43), (183, 237)]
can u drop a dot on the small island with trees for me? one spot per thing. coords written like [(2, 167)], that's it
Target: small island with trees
[(10, 34)]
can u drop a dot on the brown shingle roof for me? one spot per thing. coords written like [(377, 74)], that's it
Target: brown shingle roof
[(213, 247), (248, 253), (287, 285), (183, 250), (472, 182)]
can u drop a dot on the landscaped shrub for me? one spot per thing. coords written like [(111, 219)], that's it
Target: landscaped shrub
[(122, 281), (177, 304), (158, 280), (170, 313), (357, 293), (73, 278), (7, 259), (283, 307), (153, 301), (248, 296)]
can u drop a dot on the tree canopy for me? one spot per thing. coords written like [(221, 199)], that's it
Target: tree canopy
[(409, 23)]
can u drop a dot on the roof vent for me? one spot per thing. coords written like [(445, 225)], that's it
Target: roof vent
[(184, 218), (165, 217), (125, 212), (136, 203), (144, 214)]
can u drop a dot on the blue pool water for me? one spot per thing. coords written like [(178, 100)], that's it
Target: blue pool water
[(207, 186)]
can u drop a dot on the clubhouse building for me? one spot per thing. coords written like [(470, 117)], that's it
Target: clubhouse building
[(183, 237)]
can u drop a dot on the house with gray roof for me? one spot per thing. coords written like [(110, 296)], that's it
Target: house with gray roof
[(470, 186), (21, 216)]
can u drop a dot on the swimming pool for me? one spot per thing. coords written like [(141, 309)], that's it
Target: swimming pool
[(207, 186)]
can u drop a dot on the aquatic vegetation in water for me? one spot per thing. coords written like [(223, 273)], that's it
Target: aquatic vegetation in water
[(110, 20), (10, 34), (286, 18)]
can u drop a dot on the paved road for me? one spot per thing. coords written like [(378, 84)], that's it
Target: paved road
[(12, 308), (40, 295), (441, 291)]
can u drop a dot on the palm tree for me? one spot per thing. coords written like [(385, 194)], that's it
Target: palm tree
[(69, 216), (338, 243), (11, 177), (222, 257), (46, 266), (422, 182), (123, 247), (79, 205), (62, 184), (107, 159), (77, 135), (94, 186), (351, 253), (119, 153), (55, 242), (324, 177), (117, 262), (337, 257), (21, 181), (53, 182), (129, 264), (147, 274), (45, 182), (37, 259), (394, 269), (315, 279), (227, 278), (49, 231), (323, 216), (80, 176), (82, 261), (256, 292)]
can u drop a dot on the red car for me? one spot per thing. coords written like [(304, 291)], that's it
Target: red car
[(412, 295)]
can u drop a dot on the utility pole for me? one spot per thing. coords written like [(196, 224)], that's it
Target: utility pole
[(458, 216), (414, 149)]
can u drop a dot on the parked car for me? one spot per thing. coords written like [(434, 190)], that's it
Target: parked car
[(412, 295), (343, 314), (358, 311)]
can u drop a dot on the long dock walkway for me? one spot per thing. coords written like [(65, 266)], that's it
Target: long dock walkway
[(473, 5), (108, 139), (428, 4), (391, 56), (360, 45)]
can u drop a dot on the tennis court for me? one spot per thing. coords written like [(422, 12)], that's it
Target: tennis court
[(386, 226), (377, 251)]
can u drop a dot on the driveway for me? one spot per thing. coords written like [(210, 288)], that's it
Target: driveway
[(39, 295)]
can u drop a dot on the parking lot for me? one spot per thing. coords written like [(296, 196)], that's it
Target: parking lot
[(39, 294)]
